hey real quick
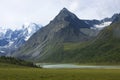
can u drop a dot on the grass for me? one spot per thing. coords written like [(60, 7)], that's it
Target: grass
[(18, 72), (58, 74), (74, 45)]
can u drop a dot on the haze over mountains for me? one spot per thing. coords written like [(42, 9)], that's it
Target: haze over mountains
[(64, 38)]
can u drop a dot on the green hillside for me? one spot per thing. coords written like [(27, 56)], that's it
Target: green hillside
[(105, 49)]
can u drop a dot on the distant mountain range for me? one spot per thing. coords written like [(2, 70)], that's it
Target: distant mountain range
[(69, 39), (11, 40)]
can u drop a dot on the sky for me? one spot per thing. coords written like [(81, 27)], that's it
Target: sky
[(15, 13)]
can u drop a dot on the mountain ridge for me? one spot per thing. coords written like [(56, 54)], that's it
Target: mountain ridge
[(65, 27), (70, 39)]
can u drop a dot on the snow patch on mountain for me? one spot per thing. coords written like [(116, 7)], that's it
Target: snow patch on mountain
[(102, 25), (30, 29), (2, 32)]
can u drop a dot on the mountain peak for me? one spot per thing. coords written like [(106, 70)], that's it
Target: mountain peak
[(115, 15), (64, 10), (65, 13), (116, 18)]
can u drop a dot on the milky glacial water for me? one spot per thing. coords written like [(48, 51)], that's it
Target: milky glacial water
[(58, 66)]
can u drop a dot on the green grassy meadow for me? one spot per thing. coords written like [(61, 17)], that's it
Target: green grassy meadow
[(24, 73)]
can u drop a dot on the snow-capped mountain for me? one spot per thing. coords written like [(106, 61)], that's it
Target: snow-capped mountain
[(11, 40), (2, 32), (30, 29)]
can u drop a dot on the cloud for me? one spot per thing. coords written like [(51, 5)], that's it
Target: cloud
[(74, 5), (94, 9), (17, 12)]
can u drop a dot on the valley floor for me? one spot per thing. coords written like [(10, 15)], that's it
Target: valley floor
[(24, 73)]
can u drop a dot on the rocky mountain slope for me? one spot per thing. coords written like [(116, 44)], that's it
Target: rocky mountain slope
[(47, 44)]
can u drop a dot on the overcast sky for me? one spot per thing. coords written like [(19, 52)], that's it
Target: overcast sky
[(14, 13)]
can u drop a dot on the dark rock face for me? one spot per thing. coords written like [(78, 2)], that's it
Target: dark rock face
[(116, 18), (3, 42)]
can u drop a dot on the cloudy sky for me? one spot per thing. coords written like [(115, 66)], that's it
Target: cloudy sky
[(14, 13)]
